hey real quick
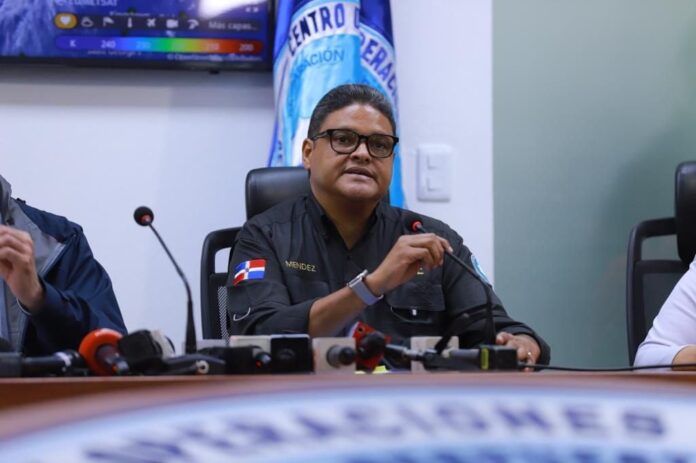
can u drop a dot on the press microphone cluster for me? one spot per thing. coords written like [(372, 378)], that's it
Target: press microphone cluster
[(297, 353), (106, 352), (424, 356), (142, 352), (481, 358)]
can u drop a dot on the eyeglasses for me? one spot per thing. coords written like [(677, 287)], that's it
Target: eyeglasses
[(345, 141)]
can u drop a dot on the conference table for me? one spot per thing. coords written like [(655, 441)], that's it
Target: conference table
[(440, 417)]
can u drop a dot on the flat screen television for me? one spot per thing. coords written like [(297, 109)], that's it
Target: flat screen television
[(196, 34)]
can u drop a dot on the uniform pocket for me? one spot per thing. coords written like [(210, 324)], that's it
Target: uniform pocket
[(417, 303)]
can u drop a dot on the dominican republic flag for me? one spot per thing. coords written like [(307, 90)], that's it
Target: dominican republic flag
[(249, 270), (319, 45)]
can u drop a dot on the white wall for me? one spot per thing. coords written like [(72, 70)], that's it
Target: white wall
[(593, 112), (444, 61), (93, 144)]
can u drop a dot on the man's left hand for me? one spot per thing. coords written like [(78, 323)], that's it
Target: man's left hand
[(528, 350), (17, 267)]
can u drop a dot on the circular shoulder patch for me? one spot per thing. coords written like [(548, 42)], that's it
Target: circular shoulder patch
[(479, 270)]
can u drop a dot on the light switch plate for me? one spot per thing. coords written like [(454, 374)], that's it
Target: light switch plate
[(434, 172)]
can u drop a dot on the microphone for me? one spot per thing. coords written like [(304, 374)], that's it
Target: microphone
[(291, 353), (14, 365), (144, 216), (59, 364), (241, 360), (482, 358), (338, 356), (145, 351), (63, 363), (334, 355), (415, 224), (370, 345), (100, 351)]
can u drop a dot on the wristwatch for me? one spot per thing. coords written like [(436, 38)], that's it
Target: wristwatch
[(361, 290)]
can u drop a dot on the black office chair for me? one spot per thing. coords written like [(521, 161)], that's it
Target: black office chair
[(213, 291), (265, 187), (649, 282), (268, 186)]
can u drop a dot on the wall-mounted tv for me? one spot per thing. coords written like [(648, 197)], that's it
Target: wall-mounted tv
[(196, 34)]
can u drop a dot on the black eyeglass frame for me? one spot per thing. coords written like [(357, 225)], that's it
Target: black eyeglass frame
[(366, 138)]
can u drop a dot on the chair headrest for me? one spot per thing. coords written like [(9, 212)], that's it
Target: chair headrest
[(685, 210), (268, 186)]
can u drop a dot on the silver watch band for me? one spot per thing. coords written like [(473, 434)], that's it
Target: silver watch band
[(361, 290)]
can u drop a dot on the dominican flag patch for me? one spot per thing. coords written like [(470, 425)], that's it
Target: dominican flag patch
[(249, 270)]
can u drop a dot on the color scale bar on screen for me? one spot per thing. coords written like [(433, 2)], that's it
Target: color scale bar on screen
[(160, 45)]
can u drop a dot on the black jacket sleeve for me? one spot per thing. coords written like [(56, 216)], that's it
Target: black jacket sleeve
[(261, 305), (78, 299)]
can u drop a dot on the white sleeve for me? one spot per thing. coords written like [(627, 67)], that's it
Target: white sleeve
[(675, 325)]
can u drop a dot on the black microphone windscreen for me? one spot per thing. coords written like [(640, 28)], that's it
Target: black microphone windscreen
[(5, 345), (143, 216)]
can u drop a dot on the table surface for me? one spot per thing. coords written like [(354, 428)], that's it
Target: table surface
[(17, 392)]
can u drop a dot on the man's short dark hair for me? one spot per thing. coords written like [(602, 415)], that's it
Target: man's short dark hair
[(346, 95)]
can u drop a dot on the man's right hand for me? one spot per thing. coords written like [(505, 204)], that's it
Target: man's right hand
[(409, 253)]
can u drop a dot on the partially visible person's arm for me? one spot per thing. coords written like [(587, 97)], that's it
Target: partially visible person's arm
[(672, 338), (685, 356), (75, 297)]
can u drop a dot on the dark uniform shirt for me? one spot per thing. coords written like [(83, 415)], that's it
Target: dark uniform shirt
[(306, 259)]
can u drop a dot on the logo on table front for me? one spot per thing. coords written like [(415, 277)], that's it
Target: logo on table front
[(410, 423)]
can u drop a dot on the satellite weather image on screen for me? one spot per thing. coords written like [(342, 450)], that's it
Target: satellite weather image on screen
[(198, 33)]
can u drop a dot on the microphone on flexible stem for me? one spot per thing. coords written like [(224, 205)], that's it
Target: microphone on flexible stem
[(144, 216), (415, 224)]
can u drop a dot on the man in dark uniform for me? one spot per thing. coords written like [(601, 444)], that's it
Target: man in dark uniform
[(319, 263)]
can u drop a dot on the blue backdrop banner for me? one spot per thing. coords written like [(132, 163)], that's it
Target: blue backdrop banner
[(319, 45)]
